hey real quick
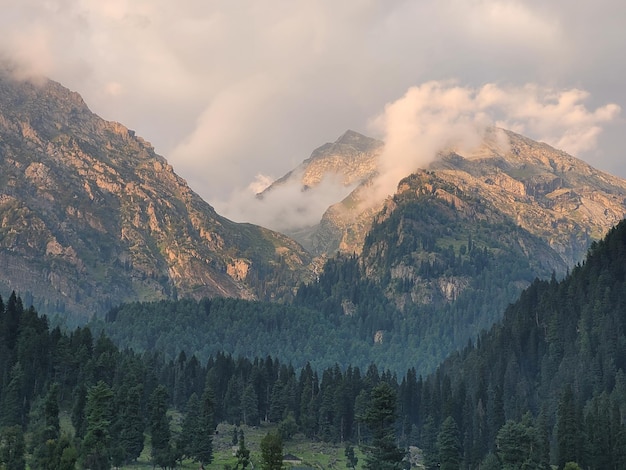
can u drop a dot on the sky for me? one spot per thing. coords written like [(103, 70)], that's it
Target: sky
[(236, 93)]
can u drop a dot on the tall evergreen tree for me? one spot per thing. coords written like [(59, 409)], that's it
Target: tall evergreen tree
[(243, 453), (249, 406), (129, 425), (380, 417), (272, 452), (190, 427), (12, 448), (160, 429), (78, 410), (351, 457), (45, 427), (203, 441), (569, 430), (12, 411), (448, 445), (96, 449)]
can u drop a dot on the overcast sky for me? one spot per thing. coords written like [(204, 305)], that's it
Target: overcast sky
[(237, 90)]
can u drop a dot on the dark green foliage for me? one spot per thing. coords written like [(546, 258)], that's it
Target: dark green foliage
[(272, 452), (380, 417), (12, 402), (203, 440), (78, 410), (570, 430), (448, 445), (128, 426), (190, 427), (351, 458), (518, 445), (12, 448), (162, 452), (45, 428), (96, 448), (249, 406), (288, 427)]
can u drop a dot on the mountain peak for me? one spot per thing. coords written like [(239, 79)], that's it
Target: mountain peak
[(356, 139), (350, 143)]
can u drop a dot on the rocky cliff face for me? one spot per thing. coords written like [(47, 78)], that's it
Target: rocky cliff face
[(547, 192), (90, 216)]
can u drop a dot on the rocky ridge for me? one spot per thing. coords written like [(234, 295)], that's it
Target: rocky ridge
[(553, 195), (91, 216)]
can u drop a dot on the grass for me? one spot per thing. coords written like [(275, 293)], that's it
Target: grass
[(318, 455)]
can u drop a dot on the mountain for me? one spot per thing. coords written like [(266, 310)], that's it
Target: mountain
[(545, 388), (347, 164), (553, 195), (91, 216), (459, 241)]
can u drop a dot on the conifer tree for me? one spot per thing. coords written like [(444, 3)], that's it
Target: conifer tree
[(96, 453), (129, 426), (203, 439), (380, 416), (12, 410), (448, 444), (272, 452), (250, 406), (352, 459), (187, 437), (160, 428), (78, 410), (569, 427), (45, 427), (243, 453), (12, 448)]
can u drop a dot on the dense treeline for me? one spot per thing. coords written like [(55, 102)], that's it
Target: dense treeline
[(243, 328), (544, 386)]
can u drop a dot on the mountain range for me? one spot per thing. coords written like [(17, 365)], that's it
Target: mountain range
[(91, 216)]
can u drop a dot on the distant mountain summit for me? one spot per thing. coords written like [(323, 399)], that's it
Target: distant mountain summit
[(547, 192), (345, 165), (91, 216), (554, 196), (351, 159)]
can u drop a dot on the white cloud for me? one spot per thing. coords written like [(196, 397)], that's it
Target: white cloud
[(437, 116), (285, 207)]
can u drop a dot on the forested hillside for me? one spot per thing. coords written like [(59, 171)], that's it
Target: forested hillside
[(551, 371)]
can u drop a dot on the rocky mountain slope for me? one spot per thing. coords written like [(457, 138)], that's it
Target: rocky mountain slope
[(91, 216), (439, 260), (553, 195)]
